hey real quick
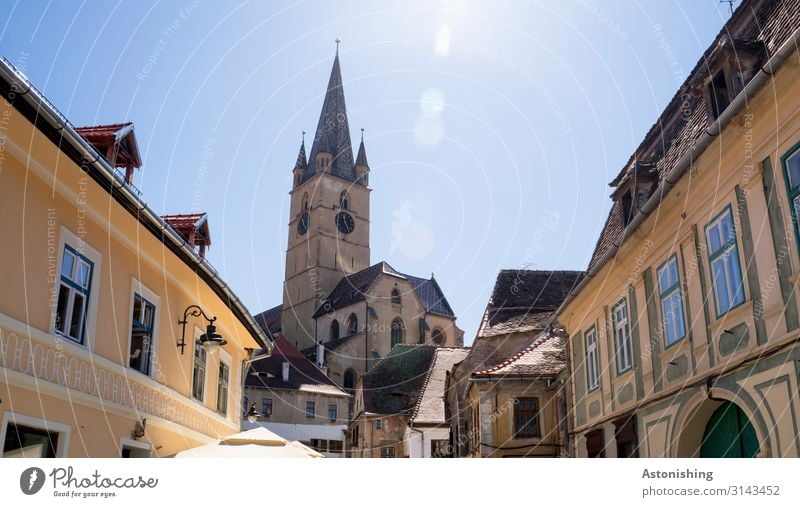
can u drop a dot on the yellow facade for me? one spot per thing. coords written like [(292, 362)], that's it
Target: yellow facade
[(745, 357), (84, 388)]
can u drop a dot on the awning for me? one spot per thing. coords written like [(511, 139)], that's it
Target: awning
[(255, 443)]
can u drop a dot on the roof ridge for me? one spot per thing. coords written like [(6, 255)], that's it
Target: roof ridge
[(428, 375)]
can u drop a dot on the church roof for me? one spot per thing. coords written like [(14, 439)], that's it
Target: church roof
[(301, 162), (333, 131), (270, 320), (352, 289), (361, 158)]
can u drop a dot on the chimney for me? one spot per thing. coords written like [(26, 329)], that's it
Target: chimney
[(320, 355), (286, 371)]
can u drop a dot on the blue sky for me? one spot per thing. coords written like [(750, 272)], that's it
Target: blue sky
[(492, 128)]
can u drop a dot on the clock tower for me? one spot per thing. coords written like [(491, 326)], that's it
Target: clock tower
[(328, 216)]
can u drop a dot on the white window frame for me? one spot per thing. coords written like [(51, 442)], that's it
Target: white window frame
[(138, 287), (622, 336), (63, 430), (67, 237), (128, 442), (224, 358), (592, 359), (197, 334)]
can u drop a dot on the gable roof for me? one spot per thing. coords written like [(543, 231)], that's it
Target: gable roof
[(304, 375), (270, 320), (116, 142), (524, 300), (192, 226), (545, 357), (430, 405), (353, 288), (765, 23), (395, 383)]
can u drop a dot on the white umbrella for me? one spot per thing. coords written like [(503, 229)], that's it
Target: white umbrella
[(255, 443)]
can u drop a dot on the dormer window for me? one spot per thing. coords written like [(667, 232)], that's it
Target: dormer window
[(627, 208), (718, 95), (323, 162), (634, 188)]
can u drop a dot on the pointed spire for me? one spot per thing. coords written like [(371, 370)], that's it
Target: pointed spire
[(333, 131), (361, 158), (302, 163)]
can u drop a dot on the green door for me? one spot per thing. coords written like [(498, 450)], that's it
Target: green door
[(729, 434)]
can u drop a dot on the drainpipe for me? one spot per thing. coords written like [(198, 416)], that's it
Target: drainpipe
[(685, 163)]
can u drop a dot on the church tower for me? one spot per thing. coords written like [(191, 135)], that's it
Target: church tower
[(328, 216)]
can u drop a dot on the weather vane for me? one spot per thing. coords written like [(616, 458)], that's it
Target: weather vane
[(729, 2)]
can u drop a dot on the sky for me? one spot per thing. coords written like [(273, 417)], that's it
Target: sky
[(492, 129)]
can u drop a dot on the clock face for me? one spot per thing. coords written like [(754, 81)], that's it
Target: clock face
[(345, 222), (302, 224)]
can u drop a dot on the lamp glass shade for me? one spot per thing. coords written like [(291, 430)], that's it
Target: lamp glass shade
[(211, 339)]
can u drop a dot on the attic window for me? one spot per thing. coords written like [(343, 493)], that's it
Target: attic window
[(627, 208), (718, 94)]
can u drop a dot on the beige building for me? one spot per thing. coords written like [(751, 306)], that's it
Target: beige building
[(683, 336), (296, 400), (333, 295), (508, 396), (105, 348)]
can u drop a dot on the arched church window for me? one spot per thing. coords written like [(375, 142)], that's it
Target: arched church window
[(334, 330), (349, 380), (396, 300), (438, 336), (352, 324), (344, 200), (305, 201), (398, 331)]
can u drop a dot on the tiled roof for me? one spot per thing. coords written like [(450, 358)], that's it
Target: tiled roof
[(104, 136), (393, 385), (186, 224), (545, 357), (333, 131), (303, 374), (524, 300), (352, 289), (270, 320), (769, 23), (430, 406)]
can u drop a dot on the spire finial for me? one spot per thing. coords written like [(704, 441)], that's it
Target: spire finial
[(338, 40), (304, 137), (362, 133)]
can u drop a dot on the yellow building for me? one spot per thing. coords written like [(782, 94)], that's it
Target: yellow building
[(94, 287), (507, 397), (683, 335)]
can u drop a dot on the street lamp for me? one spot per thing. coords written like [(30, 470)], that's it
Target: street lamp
[(252, 413), (208, 340)]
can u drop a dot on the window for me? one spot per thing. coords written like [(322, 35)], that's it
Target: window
[(222, 388), (439, 448), (791, 173), (723, 256), (718, 95), (437, 336), (669, 291), (344, 200), (526, 417), (332, 412), (334, 335), (29, 442), (622, 336), (387, 452), (73, 294), (305, 201), (266, 407), (397, 332), (142, 321), (378, 424), (592, 359), (396, 299), (199, 372), (354, 437), (625, 435), (352, 324), (335, 446), (311, 409), (319, 445), (349, 380), (627, 208)]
